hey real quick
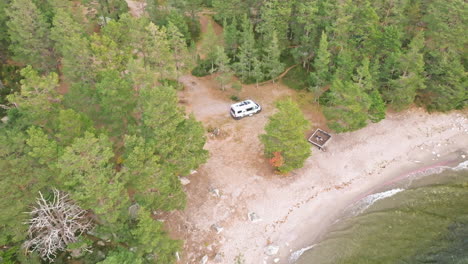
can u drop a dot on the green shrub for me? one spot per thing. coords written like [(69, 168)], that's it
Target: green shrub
[(234, 98)]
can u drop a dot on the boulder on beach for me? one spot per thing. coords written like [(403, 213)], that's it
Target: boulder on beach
[(271, 250)]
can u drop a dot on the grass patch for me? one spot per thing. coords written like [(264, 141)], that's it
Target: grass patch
[(172, 83), (297, 78)]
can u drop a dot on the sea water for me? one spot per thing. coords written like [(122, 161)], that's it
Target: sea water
[(422, 220)]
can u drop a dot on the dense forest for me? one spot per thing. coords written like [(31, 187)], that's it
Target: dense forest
[(92, 139)]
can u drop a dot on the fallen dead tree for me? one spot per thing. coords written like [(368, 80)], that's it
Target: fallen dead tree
[(54, 224)]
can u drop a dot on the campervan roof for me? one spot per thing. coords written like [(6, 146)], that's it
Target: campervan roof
[(242, 105)]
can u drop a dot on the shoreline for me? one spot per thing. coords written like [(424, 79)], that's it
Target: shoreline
[(299, 208), (450, 162)]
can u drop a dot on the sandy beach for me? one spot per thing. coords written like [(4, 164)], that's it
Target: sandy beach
[(297, 209)]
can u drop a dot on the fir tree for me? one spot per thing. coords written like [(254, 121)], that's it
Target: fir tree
[(275, 16), (446, 83), (321, 74), (247, 51), (257, 71), (208, 45), (377, 107), (363, 77), (182, 59), (285, 134), (227, 9), (411, 65), (230, 36), (348, 106), (271, 59), (222, 64)]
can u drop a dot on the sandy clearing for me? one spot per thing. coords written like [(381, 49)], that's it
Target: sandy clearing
[(299, 208), (136, 8)]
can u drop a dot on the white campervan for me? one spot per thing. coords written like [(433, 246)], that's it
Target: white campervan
[(245, 108)]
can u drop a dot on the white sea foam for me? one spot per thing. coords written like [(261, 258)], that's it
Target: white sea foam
[(297, 254), (371, 199), (461, 166)]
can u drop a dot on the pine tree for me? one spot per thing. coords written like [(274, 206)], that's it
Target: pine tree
[(222, 64), (348, 107), (377, 107), (230, 36), (446, 24), (70, 125), (86, 171), (304, 28), (275, 16), (344, 65), (21, 177), (180, 53), (152, 239), (321, 74), (363, 77), (154, 10), (29, 35), (122, 256), (142, 168), (42, 149), (257, 71), (38, 99), (285, 134), (411, 65), (271, 58), (227, 9), (116, 101), (365, 81), (247, 51), (111, 9), (73, 47), (157, 50), (208, 45), (179, 141), (107, 54), (446, 83), (4, 39)]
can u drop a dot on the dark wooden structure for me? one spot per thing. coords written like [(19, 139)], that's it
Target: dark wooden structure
[(320, 138)]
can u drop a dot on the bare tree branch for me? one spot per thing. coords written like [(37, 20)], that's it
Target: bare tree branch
[(54, 224)]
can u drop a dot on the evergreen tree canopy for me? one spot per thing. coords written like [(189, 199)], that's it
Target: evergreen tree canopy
[(348, 106), (285, 133), (29, 35)]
